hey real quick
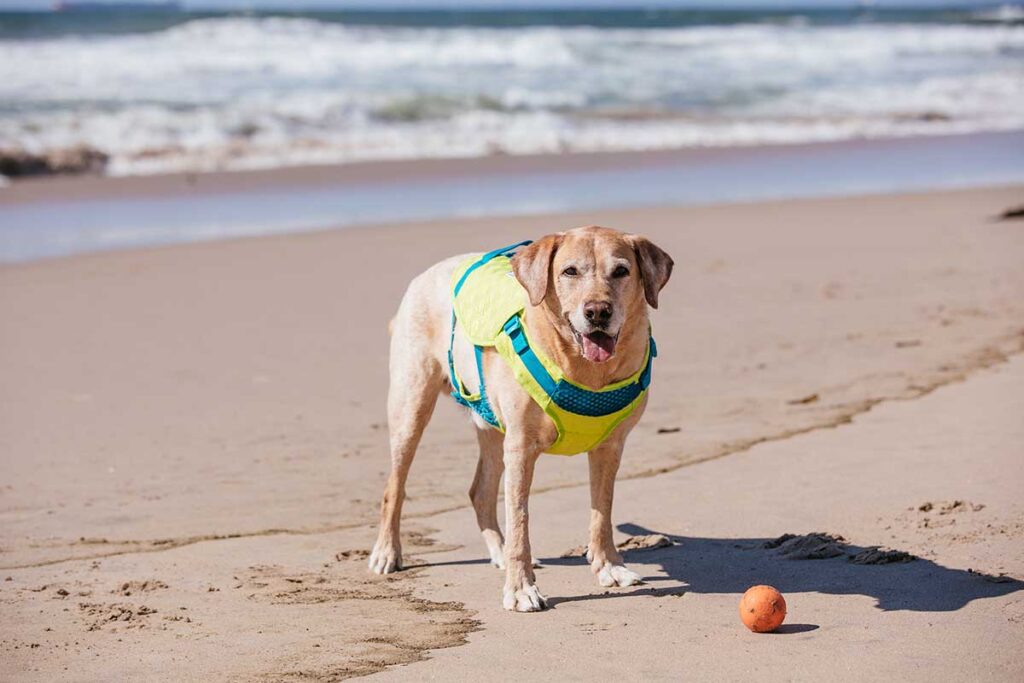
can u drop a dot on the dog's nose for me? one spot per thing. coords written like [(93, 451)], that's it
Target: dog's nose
[(597, 312)]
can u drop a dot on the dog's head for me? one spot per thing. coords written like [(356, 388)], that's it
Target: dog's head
[(596, 280)]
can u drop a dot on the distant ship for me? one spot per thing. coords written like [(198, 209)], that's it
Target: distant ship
[(73, 6)]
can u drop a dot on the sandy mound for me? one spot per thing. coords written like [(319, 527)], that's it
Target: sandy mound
[(822, 546), (816, 546)]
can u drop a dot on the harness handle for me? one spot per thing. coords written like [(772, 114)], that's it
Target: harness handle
[(504, 251)]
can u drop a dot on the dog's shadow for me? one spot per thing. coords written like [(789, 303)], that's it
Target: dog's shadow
[(731, 565)]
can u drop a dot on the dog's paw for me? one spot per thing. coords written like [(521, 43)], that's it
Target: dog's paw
[(609, 575), (526, 598), (386, 558)]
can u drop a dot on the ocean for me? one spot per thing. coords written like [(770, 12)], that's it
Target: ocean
[(199, 91)]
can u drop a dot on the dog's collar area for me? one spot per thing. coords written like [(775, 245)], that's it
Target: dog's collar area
[(572, 397)]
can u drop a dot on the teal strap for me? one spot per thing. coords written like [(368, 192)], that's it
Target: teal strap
[(644, 380), (456, 384), (481, 405), (514, 329)]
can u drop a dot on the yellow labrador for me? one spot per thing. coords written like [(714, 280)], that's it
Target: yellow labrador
[(588, 292)]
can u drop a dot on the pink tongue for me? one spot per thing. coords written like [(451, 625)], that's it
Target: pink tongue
[(598, 347)]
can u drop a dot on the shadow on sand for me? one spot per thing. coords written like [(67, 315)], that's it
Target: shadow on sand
[(731, 565)]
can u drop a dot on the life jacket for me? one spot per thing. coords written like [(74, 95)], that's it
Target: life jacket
[(488, 304)]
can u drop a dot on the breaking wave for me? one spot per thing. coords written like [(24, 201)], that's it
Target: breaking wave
[(247, 92)]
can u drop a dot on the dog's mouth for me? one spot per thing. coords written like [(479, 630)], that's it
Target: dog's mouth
[(596, 346)]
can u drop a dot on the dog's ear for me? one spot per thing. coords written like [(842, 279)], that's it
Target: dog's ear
[(655, 267), (532, 266)]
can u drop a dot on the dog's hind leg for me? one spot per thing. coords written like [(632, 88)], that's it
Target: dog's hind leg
[(484, 492), (416, 380)]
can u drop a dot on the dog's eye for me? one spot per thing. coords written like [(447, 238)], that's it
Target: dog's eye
[(570, 272), (621, 271)]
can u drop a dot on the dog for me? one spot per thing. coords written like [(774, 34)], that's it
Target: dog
[(585, 305)]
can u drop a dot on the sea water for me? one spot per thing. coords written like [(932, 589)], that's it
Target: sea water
[(171, 91)]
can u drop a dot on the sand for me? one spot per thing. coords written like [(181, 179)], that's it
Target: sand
[(193, 446)]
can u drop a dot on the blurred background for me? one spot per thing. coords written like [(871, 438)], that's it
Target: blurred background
[(122, 89), (200, 86), (128, 89)]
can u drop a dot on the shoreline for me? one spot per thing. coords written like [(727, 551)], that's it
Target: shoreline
[(95, 187), (66, 216), (283, 238)]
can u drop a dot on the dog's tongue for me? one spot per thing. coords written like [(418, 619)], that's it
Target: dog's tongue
[(598, 347)]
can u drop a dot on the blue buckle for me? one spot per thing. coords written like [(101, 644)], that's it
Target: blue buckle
[(644, 380), (514, 330)]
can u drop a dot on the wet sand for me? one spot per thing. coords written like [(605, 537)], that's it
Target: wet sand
[(369, 173), (209, 419), (62, 217)]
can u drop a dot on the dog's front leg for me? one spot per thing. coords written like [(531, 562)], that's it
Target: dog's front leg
[(605, 560), (521, 593)]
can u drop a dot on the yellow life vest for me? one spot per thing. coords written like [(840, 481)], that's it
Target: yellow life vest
[(488, 304)]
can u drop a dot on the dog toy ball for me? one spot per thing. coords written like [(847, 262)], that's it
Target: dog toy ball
[(762, 609)]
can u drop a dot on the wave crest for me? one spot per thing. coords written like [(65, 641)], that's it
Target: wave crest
[(232, 92)]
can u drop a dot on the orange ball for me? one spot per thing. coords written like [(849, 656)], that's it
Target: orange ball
[(762, 609)]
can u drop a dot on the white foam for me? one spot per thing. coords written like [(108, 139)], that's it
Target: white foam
[(262, 92), (1004, 13)]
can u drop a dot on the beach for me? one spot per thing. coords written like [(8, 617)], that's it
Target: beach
[(59, 216), (194, 444), (209, 213)]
